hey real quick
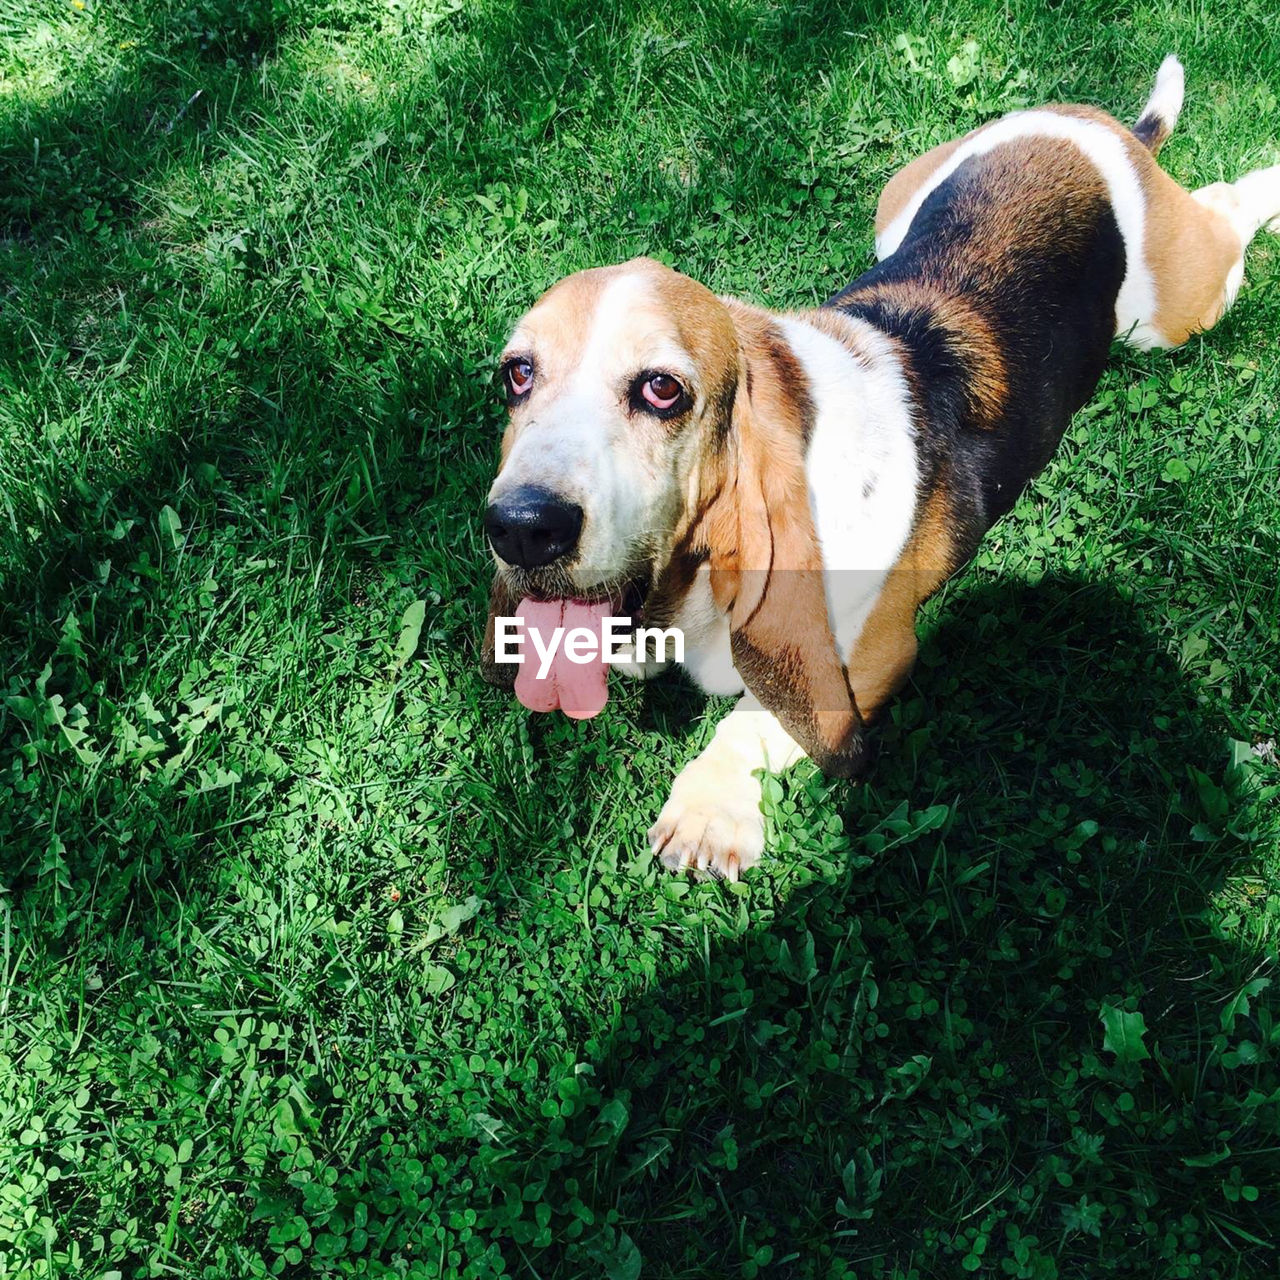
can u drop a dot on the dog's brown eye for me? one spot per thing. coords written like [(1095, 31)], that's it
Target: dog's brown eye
[(519, 376), (661, 390)]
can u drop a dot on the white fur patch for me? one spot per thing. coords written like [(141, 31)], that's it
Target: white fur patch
[(1136, 303), (1258, 202), (1165, 102), (708, 648), (1235, 278), (861, 467)]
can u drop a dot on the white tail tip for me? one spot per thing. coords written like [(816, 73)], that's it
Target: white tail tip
[(1166, 98)]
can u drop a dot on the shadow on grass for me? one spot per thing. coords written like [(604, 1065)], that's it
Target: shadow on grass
[(910, 1066)]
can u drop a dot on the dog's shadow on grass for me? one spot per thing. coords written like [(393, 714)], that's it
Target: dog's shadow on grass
[(1004, 1026)]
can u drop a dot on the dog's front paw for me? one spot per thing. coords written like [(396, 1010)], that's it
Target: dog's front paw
[(712, 824)]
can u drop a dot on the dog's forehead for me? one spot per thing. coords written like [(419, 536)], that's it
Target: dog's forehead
[(638, 310)]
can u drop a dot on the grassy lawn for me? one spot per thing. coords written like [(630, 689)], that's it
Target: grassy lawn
[(319, 956)]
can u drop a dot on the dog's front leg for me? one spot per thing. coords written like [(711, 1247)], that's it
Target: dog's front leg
[(712, 823)]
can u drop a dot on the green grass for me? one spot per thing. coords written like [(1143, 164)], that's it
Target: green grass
[(319, 956)]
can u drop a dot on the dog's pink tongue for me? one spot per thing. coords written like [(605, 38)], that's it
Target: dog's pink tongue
[(542, 617), (579, 689)]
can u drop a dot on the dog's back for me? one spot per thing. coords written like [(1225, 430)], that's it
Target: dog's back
[(1012, 257)]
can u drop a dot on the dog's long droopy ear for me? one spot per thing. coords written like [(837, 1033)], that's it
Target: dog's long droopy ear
[(766, 559), (502, 603)]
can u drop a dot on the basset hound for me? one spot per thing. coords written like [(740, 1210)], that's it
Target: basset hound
[(788, 488)]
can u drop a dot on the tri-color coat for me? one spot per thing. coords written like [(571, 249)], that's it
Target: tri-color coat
[(789, 488)]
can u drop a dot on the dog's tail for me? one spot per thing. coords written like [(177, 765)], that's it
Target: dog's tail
[(1160, 114)]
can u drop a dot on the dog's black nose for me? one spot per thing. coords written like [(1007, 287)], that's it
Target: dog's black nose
[(532, 527)]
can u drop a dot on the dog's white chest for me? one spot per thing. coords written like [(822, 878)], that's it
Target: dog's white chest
[(861, 468), (708, 655)]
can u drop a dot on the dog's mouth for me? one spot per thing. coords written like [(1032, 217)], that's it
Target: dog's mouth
[(623, 593), (567, 636)]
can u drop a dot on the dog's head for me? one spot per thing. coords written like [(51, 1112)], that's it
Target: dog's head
[(650, 422), (620, 383)]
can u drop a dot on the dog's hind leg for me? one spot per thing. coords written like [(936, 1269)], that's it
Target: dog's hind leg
[(1195, 244), (1248, 205), (1193, 241)]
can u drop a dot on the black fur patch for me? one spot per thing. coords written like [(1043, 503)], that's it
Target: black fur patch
[(1042, 268), (1151, 131)]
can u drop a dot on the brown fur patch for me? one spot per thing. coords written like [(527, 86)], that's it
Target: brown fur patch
[(763, 349), (1189, 247), (705, 327), (1152, 131), (562, 317), (1031, 218), (766, 564), (886, 648), (969, 336), (844, 329)]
